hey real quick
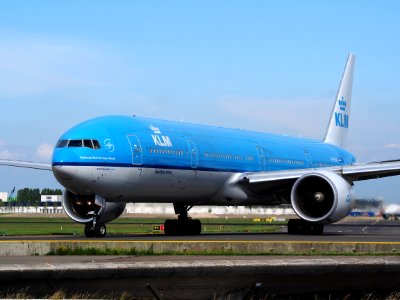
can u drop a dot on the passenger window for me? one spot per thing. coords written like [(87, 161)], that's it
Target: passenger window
[(96, 144)]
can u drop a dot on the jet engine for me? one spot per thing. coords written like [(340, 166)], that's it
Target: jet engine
[(83, 208), (321, 197)]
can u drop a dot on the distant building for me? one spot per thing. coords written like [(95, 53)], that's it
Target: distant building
[(50, 198), (367, 207), (3, 196)]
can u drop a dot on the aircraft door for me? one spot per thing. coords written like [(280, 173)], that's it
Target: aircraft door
[(136, 149), (307, 158), (193, 153), (261, 157)]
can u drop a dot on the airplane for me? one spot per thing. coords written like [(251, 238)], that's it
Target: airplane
[(391, 212), (108, 161)]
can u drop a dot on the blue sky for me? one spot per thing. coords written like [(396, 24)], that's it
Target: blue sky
[(258, 65)]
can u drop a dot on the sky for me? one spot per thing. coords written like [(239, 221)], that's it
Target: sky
[(270, 66)]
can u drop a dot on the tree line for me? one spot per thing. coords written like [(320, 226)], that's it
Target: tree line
[(31, 197)]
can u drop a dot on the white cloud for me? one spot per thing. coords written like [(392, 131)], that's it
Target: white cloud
[(44, 152), (11, 155), (392, 146), (11, 152)]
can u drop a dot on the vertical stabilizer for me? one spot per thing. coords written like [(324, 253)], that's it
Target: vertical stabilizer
[(339, 122)]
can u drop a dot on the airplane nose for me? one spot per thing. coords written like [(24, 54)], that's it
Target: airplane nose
[(63, 172)]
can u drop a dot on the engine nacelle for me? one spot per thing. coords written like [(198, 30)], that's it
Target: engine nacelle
[(321, 197), (83, 208)]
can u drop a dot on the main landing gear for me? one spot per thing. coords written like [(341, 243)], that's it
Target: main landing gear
[(95, 230), (297, 226), (184, 225)]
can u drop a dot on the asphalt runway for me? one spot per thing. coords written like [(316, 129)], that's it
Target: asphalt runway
[(348, 230)]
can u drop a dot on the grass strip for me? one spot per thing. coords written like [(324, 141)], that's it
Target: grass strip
[(16, 226)]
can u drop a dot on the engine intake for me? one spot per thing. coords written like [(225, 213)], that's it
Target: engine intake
[(321, 197), (83, 208)]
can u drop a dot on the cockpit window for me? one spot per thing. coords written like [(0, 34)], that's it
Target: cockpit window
[(62, 143), (75, 143), (88, 144), (96, 144), (92, 144)]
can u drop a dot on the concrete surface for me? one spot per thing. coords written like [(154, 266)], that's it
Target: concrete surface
[(198, 277)]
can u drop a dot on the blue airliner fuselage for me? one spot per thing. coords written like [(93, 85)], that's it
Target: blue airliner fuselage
[(129, 148)]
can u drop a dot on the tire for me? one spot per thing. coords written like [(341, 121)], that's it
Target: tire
[(316, 229), (196, 227), (293, 226), (296, 226), (100, 230), (170, 227), (89, 231)]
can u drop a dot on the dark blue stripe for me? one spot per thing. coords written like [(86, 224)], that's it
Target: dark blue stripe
[(124, 165)]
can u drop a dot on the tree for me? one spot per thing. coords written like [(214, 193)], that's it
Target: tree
[(31, 197), (48, 191), (28, 196)]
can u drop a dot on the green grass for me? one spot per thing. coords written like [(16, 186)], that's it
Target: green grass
[(17, 226)]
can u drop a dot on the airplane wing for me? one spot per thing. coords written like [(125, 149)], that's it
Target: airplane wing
[(373, 170), (356, 172), (26, 164)]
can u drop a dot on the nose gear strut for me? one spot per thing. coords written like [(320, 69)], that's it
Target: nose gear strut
[(95, 229)]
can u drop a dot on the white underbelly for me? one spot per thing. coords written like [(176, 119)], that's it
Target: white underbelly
[(138, 184)]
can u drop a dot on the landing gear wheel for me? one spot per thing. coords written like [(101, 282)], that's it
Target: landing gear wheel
[(182, 227), (100, 230), (195, 227), (296, 226), (89, 230), (171, 227)]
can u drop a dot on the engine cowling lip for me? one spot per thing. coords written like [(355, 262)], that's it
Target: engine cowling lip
[(320, 174), (70, 211), (108, 211)]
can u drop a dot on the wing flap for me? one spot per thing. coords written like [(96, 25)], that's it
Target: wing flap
[(26, 164)]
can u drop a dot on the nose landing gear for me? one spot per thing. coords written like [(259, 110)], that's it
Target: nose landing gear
[(95, 230), (184, 225)]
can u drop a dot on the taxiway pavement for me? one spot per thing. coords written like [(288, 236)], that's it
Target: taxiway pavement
[(348, 230)]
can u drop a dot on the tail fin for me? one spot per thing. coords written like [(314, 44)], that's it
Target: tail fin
[(339, 122)]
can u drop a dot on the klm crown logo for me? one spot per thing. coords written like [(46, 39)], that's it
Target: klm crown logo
[(155, 129), (342, 104)]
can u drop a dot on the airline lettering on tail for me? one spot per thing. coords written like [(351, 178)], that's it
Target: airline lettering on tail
[(341, 118)]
